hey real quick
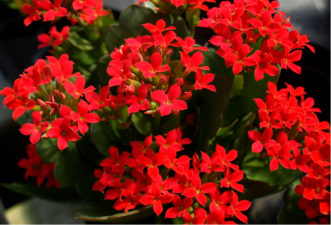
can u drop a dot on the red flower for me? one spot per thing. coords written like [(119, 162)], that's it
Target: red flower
[(292, 57), (188, 45), (63, 131), (77, 89), (203, 81), (169, 102), (263, 63), (54, 38), (150, 70), (180, 207), (236, 207), (17, 98), (53, 10), (158, 28), (140, 102), (34, 129), (199, 216), (98, 101), (197, 190), (82, 117), (192, 64), (36, 167), (61, 68), (231, 179), (260, 140), (155, 197), (236, 55), (32, 12)]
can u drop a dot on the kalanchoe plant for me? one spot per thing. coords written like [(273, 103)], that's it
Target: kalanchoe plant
[(132, 117)]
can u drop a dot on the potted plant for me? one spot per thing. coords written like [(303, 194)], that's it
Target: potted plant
[(134, 118)]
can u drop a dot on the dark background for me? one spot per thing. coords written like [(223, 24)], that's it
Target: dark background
[(18, 50)]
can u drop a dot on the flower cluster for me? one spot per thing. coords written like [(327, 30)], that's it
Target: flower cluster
[(293, 136), (54, 37), (148, 79), (153, 174), (85, 10), (59, 110), (36, 167), (253, 35)]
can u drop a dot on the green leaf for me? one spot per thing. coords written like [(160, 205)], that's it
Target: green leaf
[(69, 166), (242, 141), (53, 194), (99, 75), (104, 212), (242, 104), (238, 85), (79, 42), (24, 118), (169, 122), (257, 169), (291, 213), (101, 136), (141, 123), (47, 149), (213, 104), (130, 25)]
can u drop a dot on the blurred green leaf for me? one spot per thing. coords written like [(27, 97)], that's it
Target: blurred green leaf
[(47, 149), (54, 194), (68, 166), (79, 42), (24, 118), (213, 104), (257, 169), (99, 74), (238, 85), (101, 136), (242, 104), (130, 25), (291, 213), (104, 212), (141, 123)]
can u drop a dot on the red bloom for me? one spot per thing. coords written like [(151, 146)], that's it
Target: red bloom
[(36, 167), (140, 102), (54, 38), (188, 45), (203, 81), (63, 131), (197, 190), (155, 197), (180, 207), (53, 10), (82, 117), (98, 101), (260, 140), (32, 12), (61, 68), (292, 57), (263, 63), (158, 28), (34, 129), (236, 207), (150, 70), (199, 216), (192, 64), (17, 98), (231, 179), (169, 102), (77, 89)]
